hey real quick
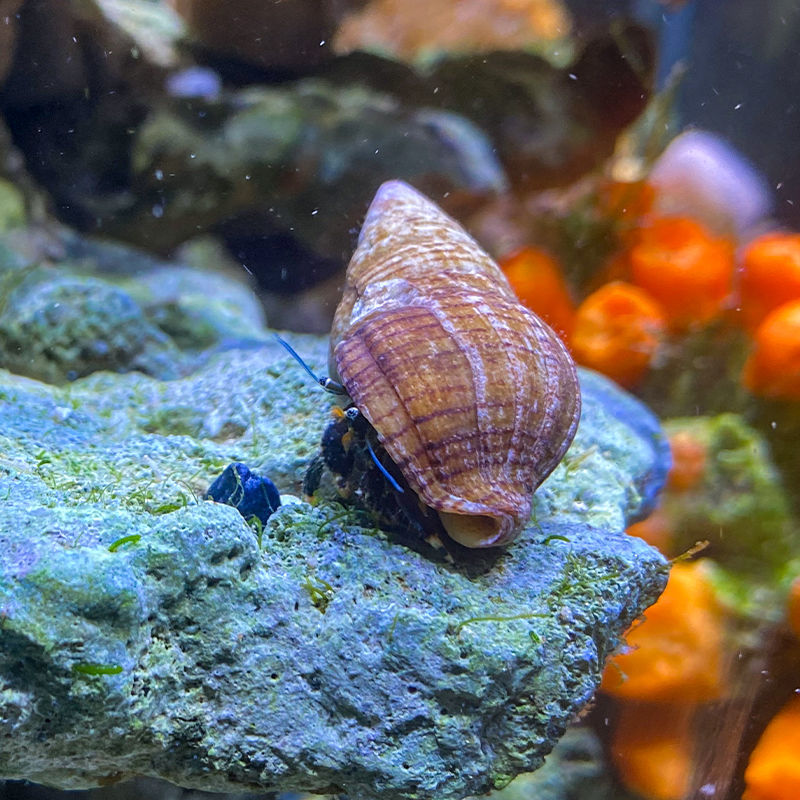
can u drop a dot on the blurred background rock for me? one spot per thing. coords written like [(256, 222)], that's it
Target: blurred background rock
[(272, 125)]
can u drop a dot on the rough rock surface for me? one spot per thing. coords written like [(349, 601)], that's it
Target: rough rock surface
[(146, 632), (575, 769)]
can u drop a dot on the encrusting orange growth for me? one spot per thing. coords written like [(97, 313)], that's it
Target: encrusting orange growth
[(651, 749), (686, 269), (539, 284), (773, 368), (793, 610), (677, 652), (770, 275), (774, 769), (617, 331), (689, 457)]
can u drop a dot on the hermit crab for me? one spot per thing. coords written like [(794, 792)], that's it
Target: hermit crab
[(472, 398)]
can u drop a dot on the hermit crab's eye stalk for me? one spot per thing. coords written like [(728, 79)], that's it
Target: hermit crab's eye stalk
[(326, 383)]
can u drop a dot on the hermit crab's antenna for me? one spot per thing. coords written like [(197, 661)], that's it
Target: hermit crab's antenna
[(328, 384)]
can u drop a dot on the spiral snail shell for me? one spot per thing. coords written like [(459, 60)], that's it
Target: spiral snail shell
[(473, 397)]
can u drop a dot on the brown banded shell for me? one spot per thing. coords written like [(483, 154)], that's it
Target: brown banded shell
[(471, 394)]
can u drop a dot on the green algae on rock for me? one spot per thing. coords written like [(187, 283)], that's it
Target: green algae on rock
[(105, 306), (145, 632), (63, 327)]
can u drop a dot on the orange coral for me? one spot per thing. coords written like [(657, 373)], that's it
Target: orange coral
[(539, 283), (651, 749), (770, 275), (774, 769), (677, 651), (689, 457), (617, 331), (773, 368), (686, 269)]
